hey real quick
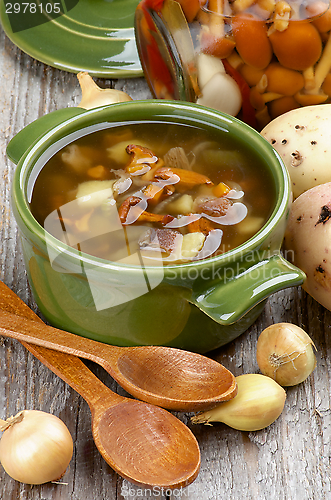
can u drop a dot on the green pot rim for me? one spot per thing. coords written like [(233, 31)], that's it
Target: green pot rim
[(152, 110)]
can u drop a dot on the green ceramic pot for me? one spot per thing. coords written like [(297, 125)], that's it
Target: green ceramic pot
[(197, 306)]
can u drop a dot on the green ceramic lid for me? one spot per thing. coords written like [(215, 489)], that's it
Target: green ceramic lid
[(86, 35)]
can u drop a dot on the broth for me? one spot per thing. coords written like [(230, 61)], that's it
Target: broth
[(175, 193)]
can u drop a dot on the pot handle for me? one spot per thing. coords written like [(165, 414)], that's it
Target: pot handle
[(22, 141), (227, 304)]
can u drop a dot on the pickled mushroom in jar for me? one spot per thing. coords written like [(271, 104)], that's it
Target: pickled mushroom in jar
[(283, 44), (257, 59)]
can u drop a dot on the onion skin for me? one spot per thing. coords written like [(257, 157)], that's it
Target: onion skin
[(259, 402), (36, 449), (285, 353)]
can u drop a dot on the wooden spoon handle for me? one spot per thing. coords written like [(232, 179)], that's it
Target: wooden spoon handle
[(26, 330), (69, 368), (76, 374)]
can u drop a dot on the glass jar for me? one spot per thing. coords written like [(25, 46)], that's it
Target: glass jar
[(254, 59)]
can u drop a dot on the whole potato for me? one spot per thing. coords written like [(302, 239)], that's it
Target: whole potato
[(302, 137), (307, 241)]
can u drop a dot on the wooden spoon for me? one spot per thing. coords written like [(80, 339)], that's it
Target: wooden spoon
[(164, 376), (143, 443)]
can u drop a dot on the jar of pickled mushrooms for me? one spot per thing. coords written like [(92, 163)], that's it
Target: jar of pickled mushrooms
[(254, 59)]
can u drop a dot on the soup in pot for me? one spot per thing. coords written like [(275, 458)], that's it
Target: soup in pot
[(175, 193)]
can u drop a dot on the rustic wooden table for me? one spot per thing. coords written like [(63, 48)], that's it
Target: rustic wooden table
[(288, 460)]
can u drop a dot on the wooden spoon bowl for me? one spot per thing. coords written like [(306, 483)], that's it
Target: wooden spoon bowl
[(159, 448)]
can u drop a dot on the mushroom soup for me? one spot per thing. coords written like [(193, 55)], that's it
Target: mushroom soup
[(175, 193)]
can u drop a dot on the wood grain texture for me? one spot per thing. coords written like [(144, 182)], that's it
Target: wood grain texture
[(288, 460)]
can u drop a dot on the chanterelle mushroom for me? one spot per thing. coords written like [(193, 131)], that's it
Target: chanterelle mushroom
[(142, 159)]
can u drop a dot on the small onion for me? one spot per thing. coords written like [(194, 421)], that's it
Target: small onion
[(258, 403), (94, 96), (36, 447), (285, 353)]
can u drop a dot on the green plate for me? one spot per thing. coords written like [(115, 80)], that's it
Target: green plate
[(94, 35)]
